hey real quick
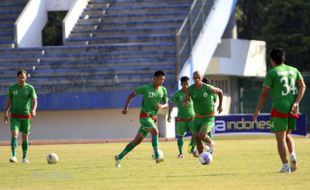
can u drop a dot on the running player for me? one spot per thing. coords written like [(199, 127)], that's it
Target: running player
[(287, 88), (153, 95), (185, 116), (202, 97), (20, 96)]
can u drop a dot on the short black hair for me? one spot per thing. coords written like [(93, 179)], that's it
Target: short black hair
[(159, 73), (206, 81), (277, 55), (184, 79), (21, 72)]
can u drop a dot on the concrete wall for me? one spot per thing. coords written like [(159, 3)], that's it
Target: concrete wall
[(235, 57), (76, 9), (82, 124), (30, 23), (86, 124)]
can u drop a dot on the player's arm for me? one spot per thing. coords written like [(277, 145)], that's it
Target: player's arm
[(171, 105), (34, 107), (187, 97), (162, 106), (301, 92), (6, 110), (261, 101), (130, 97), (219, 92), (165, 99)]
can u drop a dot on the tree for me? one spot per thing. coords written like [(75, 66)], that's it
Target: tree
[(281, 23), (52, 32)]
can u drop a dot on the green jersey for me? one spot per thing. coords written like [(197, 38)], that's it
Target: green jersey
[(282, 80), (20, 97), (151, 97), (214, 97), (202, 98), (183, 111)]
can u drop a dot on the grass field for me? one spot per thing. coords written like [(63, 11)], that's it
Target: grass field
[(246, 164)]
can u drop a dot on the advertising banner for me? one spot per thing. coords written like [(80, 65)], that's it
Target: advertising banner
[(242, 123)]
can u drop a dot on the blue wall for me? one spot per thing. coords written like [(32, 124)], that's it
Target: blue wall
[(80, 100)]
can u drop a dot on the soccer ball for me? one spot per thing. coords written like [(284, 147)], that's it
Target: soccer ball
[(161, 154), (205, 158), (52, 158)]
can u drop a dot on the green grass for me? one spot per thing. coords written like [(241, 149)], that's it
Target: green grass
[(247, 164)]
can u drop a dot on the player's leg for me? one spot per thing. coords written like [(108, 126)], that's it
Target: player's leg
[(154, 132), (25, 130), (130, 146), (15, 126), (25, 144), (282, 149), (192, 142), (196, 130), (291, 144), (181, 127), (279, 126), (207, 126)]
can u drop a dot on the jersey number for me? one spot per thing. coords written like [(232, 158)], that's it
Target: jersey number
[(289, 86), (151, 95)]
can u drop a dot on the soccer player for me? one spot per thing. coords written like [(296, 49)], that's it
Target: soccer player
[(202, 97), (185, 116), (208, 81), (154, 98), (287, 88), (20, 97)]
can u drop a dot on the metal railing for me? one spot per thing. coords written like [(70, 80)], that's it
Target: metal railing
[(187, 34)]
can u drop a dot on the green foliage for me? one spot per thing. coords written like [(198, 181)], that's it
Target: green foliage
[(281, 23), (52, 32)]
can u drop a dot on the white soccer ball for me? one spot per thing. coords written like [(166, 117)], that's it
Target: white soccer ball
[(160, 152), (205, 158), (52, 158)]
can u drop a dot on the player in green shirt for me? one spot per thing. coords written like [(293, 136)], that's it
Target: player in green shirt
[(287, 88), (20, 97), (202, 97), (208, 81), (185, 116), (154, 95)]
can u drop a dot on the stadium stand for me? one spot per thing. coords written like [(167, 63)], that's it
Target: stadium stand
[(9, 11), (106, 54)]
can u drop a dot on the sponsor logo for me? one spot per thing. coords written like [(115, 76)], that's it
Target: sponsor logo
[(241, 125)]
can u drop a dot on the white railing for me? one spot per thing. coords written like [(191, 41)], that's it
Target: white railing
[(187, 34), (202, 47)]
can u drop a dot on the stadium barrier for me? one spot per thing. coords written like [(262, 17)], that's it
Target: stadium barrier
[(242, 124)]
